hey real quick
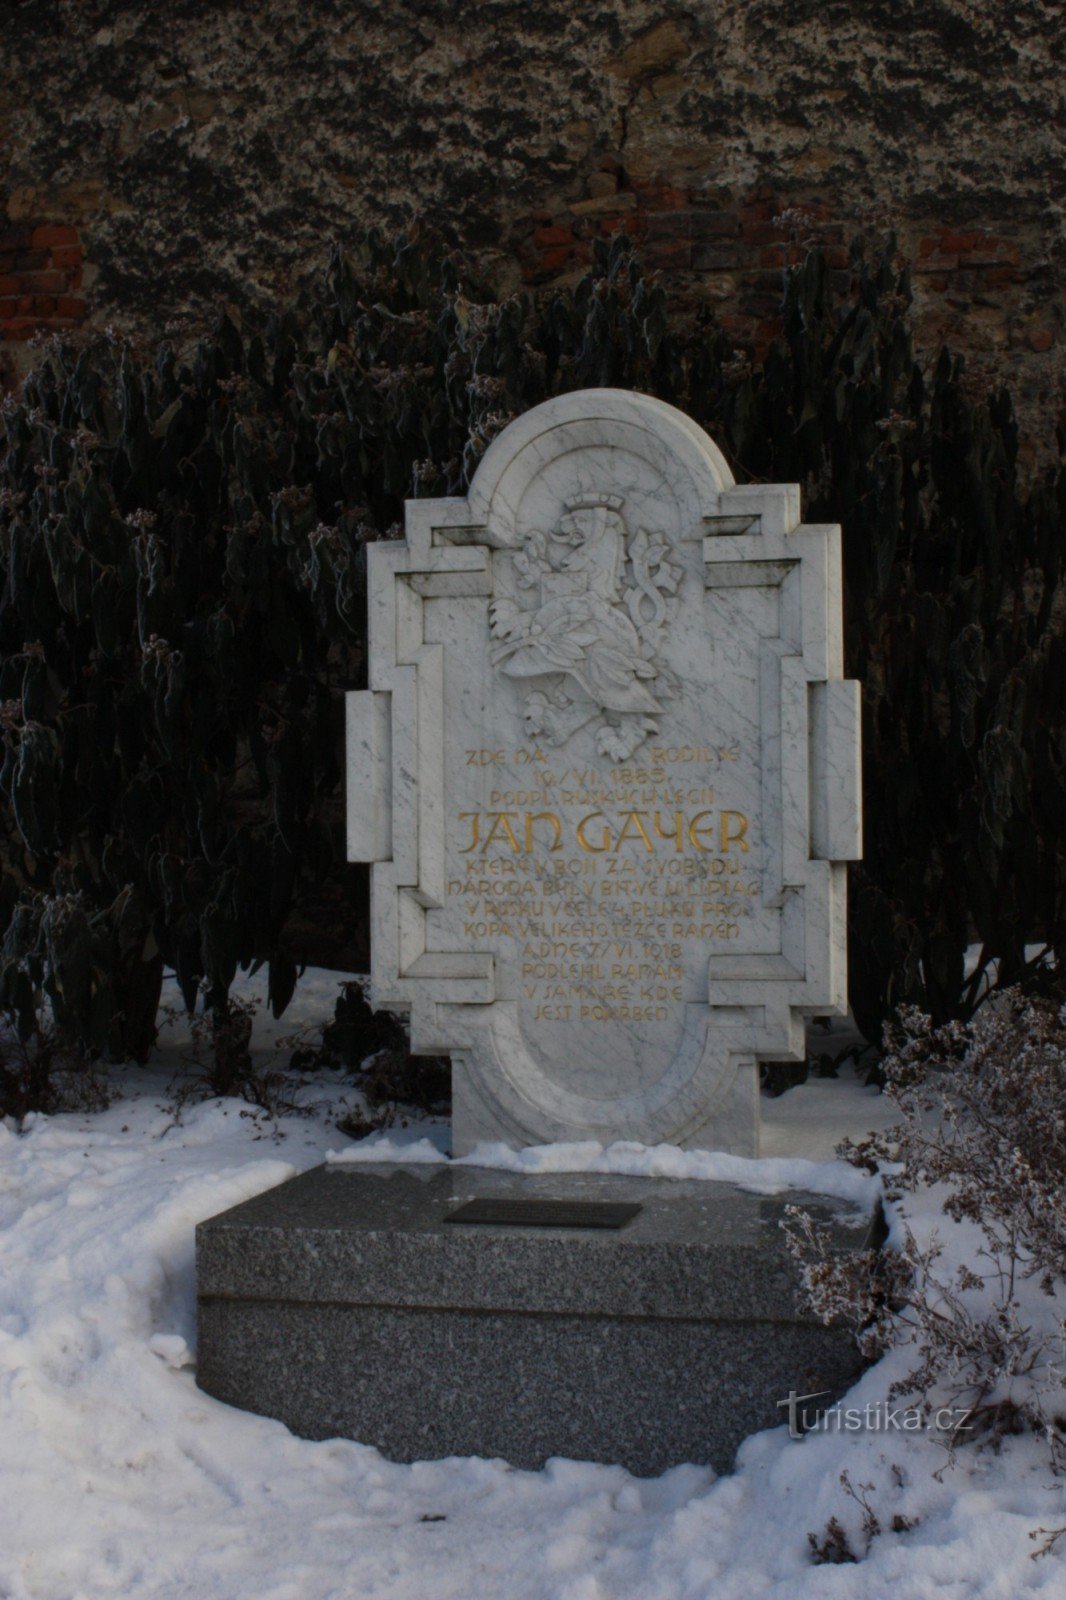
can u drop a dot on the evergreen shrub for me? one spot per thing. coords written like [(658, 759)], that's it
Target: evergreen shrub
[(182, 539)]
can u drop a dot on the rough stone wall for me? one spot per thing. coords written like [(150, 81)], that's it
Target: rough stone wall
[(156, 158)]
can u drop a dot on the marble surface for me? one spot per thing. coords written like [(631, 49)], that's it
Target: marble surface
[(607, 773)]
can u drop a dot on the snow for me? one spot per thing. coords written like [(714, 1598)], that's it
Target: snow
[(118, 1477), (771, 1176)]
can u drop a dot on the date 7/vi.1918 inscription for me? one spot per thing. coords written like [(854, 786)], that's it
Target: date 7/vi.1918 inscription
[(610, 882)]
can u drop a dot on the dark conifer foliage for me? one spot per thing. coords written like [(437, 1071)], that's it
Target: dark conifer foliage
[(182, 537)]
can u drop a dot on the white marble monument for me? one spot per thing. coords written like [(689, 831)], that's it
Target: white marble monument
[(607, 773)]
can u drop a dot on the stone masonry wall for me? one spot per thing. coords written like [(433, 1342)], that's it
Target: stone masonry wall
[(158, 159)]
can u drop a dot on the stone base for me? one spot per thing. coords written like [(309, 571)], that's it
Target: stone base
[(344, 1305), (722, 1113)]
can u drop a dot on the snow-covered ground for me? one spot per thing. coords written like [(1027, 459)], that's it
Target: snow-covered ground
[(119, 1478)]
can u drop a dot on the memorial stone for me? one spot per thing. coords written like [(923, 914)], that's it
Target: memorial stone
[(607, 773)]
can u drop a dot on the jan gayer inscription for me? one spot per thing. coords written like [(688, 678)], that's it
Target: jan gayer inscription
[(607, 773)]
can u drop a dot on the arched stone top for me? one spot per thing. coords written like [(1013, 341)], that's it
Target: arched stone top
[(586, 418), (608, 775)]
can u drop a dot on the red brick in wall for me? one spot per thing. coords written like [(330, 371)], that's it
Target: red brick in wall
[(710, 247), (730, 251), (41, 269)]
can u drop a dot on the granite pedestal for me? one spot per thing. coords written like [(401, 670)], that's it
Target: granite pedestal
[(345, 1304)]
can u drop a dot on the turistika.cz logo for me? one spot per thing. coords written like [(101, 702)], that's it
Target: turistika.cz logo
[(877, 1416)]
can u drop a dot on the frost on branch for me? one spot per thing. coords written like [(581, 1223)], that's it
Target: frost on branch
[(983, 1121)]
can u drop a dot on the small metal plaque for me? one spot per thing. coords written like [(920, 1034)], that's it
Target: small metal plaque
[(547, 1213)]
